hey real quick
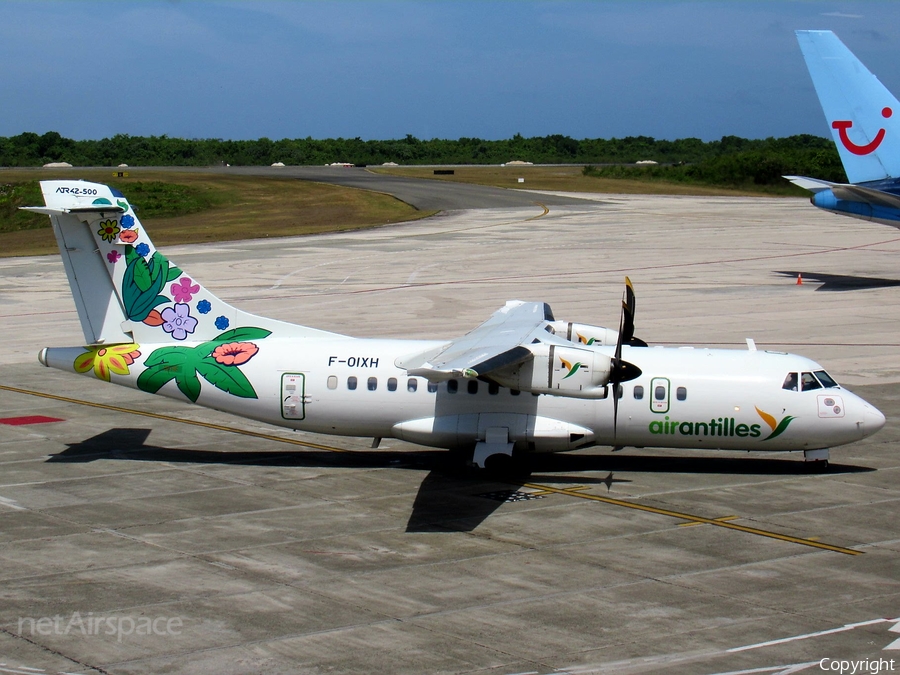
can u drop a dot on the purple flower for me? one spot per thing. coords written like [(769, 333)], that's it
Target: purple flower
[(142, 249), (113, 256), (178, 321), (204, 306), (184, 291), (126, 222), (222, 322)]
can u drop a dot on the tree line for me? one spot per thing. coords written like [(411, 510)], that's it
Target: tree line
[(729, 160)]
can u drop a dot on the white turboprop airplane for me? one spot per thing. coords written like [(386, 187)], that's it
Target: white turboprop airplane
[(520, 382)]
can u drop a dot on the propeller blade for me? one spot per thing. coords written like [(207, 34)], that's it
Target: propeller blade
[(622, 371)]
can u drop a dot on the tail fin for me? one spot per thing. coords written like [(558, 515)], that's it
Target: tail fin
[(124, 289), (863, 115)]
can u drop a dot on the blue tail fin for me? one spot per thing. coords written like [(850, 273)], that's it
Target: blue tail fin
[(124, 289), (863, 115)]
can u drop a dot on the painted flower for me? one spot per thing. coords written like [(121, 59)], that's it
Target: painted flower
[(184, 291), (107, 360), (178, 321), (127, 222), (222, 322), (128, 236), (204, 306), (108, 230), (234, 353), (113, 256), (142, 249)]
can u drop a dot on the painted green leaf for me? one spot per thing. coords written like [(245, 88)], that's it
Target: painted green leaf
[(227, 378), (154, 377), (168, 356), (189, 384), (173, 274), (140, 273)]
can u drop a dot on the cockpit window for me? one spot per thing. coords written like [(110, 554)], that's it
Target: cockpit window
[(826, 380), (790, 382), (809, 382)]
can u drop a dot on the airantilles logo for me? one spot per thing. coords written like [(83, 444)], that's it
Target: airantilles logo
[(843, 125), (569, 367), (722, 427)]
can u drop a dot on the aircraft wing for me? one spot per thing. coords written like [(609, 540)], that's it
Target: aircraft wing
[(498, 342)]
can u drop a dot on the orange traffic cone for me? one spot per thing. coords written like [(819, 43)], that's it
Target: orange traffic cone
[(799, 280)]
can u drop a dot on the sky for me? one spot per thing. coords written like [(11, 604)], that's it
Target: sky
[(382, 70)]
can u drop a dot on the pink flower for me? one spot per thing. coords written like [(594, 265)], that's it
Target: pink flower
[(234, 353), (184, 291), (113, 256), (128, 236)]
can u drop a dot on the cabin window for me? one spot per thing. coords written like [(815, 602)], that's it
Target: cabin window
[(472, 386), (681, 393), (659, 393), (808, 382), (826, 380), (351, 383), (493, 388), (332, 381), (432, 387), (392, 384), (790, 382), (372, 384), (452, 386), (638, 392), (412, 384)]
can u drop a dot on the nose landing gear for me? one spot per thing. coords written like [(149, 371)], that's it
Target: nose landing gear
[(817, 460)]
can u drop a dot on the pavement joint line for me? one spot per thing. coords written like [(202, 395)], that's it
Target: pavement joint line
[(698, 519), (171, 418)]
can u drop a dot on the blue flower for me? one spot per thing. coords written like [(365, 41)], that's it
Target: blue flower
[(142, 249), (222, 322), (204, 306), (126, 222)]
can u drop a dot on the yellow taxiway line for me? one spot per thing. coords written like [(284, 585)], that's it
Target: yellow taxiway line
[(695, 520)]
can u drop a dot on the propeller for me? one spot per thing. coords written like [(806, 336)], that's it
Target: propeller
[(619, 370)]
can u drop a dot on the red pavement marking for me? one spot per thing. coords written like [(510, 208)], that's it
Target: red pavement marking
[(28, 419)]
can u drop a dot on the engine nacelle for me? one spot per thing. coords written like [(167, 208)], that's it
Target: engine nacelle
[(581, 333), (561, 371)]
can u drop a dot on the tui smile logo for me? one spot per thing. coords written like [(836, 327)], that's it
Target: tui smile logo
[(843, 125), (777, 427)]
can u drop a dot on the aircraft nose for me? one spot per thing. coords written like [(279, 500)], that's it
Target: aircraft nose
[(873, 419)]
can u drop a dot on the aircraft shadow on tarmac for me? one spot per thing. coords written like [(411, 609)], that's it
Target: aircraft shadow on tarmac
[(841, 282), (452, 497)]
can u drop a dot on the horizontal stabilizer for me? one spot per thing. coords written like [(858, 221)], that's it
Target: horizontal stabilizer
[(811, 184)]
